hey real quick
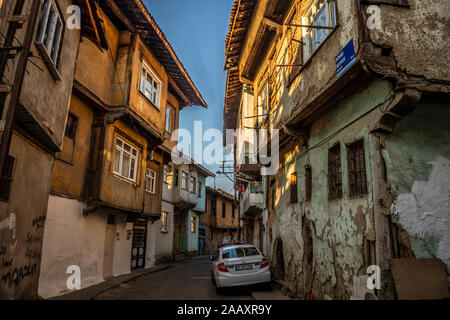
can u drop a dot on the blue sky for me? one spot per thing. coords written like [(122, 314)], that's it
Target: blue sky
[(196, 29)]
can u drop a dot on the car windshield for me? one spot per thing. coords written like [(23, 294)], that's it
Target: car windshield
[(239, 252)]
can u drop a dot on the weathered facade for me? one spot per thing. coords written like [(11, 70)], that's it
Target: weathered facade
[(221, 219), (107, 184), (37, 136), (363, 154)]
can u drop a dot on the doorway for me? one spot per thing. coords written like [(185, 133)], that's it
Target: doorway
[(138, 245), (180, 232), (109, 247)]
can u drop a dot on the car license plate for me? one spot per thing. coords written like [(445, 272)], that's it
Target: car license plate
[(244, 267)]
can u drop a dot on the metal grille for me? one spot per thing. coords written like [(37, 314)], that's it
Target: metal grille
[(357, 168), (6, 182), (308, 183), (335, 172), (293, 188)]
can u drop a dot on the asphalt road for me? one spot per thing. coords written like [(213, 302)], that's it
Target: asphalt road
[(188, 280)]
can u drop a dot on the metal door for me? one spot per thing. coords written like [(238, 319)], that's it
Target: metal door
[(138, 246)]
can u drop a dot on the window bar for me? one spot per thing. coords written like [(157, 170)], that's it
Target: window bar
[(290, 65)]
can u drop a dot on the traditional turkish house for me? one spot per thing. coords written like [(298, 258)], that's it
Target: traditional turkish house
[(221, 219), (106, 186), (363, 117), (37, 132)]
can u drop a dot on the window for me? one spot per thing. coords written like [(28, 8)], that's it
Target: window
[(150, 85), (318, 13), (293, 187), (193, 185), (6, 182), (357, 168), (335, 172), (184, 177), (223, 210), (213, 207), (175, 178), (240, 252), (233, 213), (169, 116), (150, 181), (125, 163), (199, 189), (193, 224), (164, 222), (111, 220), (167, 174), (49, 34), (263, 104), (71, 126), (308, 183)]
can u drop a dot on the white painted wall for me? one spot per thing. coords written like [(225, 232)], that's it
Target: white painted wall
[(70, 239), (425, 213), (73, 239)]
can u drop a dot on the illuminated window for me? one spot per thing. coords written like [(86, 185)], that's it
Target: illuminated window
[(193, 224), (164, 222)]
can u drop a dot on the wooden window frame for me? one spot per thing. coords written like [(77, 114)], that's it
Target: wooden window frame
[(193, 185), (73, 127), (122, 151), (184, 180), (49, 42), (147, 71), (150, 188)]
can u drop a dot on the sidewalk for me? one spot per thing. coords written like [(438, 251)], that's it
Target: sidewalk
[(91, 292), (269, 295)]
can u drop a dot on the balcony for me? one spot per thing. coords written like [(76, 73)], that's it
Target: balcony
[(184, 199), (252, 203), (248, 168)]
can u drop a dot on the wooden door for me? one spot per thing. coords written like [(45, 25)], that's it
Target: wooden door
[(139, 243)]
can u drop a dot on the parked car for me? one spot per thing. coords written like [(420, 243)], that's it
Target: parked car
[(237, 265)]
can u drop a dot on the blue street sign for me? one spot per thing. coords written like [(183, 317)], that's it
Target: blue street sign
[(345, 59)]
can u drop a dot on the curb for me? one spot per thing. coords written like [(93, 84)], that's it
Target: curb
[(149, 271)]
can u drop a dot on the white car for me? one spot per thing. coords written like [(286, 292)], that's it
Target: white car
[(237, 265)]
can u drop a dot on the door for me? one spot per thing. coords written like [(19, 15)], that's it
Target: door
[(108, 252), (176, 231), (138, 245), (182, 233)]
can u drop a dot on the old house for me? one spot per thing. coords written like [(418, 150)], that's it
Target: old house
[(221, 220), (183, 204), (106, 187), (37, 62), (358, 92)]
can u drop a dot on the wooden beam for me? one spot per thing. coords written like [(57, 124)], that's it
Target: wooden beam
[(273, 25), (116, 10)]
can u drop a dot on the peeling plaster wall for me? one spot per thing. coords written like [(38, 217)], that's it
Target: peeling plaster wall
[(419, 35), (339, 228), (417, 157)]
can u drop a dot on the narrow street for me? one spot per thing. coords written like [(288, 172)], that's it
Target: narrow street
[(188, 280)]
